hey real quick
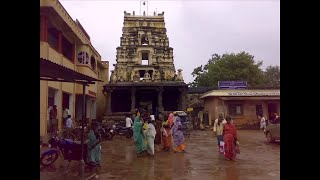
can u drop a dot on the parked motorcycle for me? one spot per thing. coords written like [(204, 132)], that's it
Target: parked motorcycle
[(69, 150), (121, 129), (108, 133)]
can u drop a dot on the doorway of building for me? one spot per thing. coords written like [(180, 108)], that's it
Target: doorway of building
[(259, 109), (206, 118), (272, 108), (65, 100), (93, 110), (53, 99)]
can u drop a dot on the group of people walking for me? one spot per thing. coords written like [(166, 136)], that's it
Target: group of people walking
[(149, 132), (227, 137)]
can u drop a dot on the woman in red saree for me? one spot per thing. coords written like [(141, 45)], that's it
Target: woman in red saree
[(230, 139)]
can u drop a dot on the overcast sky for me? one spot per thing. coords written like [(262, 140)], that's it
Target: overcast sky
[(196, 29)]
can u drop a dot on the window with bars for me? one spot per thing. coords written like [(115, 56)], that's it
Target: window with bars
[(235, 109), (83, 58)]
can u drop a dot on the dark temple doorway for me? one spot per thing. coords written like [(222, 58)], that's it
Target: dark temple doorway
[(121, 101), (171, 100), (147, 99)]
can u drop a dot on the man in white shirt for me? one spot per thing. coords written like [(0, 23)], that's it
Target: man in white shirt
[(223, 121), (218, 129), (128, 121), (69, 122), (69, 127), (263, 123), (152, 117), (65, 114)]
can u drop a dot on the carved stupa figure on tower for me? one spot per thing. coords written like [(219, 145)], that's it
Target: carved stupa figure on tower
[(179, 75), (156, 76), (146, 77)]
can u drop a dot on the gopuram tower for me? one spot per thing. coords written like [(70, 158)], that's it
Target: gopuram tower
[(144, 75)]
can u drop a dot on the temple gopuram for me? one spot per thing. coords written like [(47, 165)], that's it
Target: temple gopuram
[(144, 75)]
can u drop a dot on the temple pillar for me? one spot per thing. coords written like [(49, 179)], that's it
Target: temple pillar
[(182, 104), (109, 95), (160, 106), (183, 99), (133, 99)]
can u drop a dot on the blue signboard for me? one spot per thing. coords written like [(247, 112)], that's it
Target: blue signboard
[(232, 84)]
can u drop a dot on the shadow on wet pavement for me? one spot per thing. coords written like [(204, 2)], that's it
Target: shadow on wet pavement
[(258, 160)]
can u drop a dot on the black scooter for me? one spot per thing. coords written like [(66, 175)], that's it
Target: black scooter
[(105, 132), (119, 129), (108, 133)]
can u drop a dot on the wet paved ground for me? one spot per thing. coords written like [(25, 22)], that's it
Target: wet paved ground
[(258, 160)]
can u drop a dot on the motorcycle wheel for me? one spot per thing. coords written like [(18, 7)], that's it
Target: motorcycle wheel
[(128, 134), (108, 136), (48, 159)]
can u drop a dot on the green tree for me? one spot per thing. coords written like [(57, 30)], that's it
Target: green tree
[(272, 76), (229, 67)]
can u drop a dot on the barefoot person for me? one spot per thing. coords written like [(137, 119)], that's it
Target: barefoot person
[(150, 135), (138, 136), (230, 139), (178, 137), (218, 129), (53, 119), (166, 135), (157, 140), (94, 147), (263, 123)]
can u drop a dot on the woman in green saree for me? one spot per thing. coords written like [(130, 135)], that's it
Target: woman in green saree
[(138, 136), (94, 147)]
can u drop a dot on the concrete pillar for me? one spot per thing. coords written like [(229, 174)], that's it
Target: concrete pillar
[(265, 109), (43, 108), (44, 28), (73, 53)]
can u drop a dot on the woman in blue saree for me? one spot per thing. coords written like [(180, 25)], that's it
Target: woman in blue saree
[(178, 137)]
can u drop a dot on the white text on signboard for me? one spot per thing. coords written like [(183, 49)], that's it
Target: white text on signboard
[(254, 93)]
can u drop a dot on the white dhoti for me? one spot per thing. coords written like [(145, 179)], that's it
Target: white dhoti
[(151, 134), (150, 145)]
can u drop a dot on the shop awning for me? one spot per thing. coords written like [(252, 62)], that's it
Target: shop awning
[(260, 93), (51, 71), (251, 98)]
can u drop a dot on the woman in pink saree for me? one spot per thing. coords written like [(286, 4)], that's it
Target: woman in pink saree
[(230, 139)]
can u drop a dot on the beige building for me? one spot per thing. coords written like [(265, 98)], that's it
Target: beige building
[(242, 105), (66, 43)]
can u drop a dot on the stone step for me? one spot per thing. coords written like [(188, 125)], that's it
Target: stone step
[(113, 118)]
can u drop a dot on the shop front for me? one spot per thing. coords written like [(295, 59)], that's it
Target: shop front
[(243, 106)]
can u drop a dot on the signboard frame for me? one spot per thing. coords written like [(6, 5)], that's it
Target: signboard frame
[(232, 85)]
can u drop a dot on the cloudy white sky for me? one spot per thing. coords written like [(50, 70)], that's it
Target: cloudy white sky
[(196, 29)]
